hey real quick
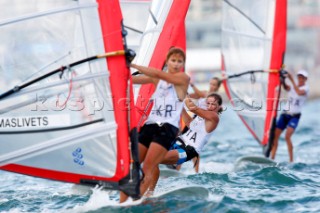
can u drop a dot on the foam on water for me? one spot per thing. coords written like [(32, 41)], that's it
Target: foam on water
[(216, 167), (98, 199)]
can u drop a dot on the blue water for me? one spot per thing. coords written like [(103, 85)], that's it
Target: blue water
[(248, 187)]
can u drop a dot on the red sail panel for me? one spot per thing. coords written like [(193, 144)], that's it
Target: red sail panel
[(109, 11), (277, 57)]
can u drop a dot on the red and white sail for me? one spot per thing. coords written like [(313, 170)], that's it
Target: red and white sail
[(253, 48), (165, 29), (74, 126)]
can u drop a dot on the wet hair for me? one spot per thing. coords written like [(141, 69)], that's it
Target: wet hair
[(176, 50), (218, 80), (218, 98)]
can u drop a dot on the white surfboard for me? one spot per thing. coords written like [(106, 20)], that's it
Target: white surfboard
[(255, 159)]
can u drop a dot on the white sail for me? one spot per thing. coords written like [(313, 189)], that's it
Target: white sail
[(135, 17), (62, 126), (253, 46), (158, 15)]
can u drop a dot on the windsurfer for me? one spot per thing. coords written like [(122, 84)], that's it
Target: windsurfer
[(289, 119), (189, 145), (162, 125), (214, 86)]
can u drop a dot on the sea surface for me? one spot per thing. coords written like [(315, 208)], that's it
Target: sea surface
[(233, 186)]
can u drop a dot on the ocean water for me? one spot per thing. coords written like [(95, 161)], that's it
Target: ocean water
[(232, 187)]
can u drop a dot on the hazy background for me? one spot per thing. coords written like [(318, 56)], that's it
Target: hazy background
[(303, 40)]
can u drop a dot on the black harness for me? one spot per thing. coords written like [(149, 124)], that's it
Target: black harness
[(190, 150)]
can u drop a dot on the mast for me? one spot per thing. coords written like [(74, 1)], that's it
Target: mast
[(128, 166)]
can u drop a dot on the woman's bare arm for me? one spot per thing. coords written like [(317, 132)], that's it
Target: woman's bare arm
[(142, 79), (211, 117), (295, 86), (186, 117), (179, 78), (197, 93)]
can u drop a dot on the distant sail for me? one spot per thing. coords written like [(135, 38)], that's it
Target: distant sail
[(72, 123), (253, 48), (165, 29)]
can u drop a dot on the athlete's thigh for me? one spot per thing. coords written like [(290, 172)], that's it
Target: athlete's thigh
[(171, 157), (142, 152), (155, 154), (289, 132)]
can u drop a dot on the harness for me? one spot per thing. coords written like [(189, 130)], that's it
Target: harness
[(190, 151)]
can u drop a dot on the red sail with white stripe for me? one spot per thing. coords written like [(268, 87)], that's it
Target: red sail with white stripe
[(253, 48), (73, 123)]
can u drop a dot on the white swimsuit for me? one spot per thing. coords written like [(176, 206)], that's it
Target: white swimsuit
[(196, 136), (295, 101), (166, 105)]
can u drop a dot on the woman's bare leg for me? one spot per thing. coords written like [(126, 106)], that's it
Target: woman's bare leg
[(142, 154), (289, 133), (155, 155), (275, 143)]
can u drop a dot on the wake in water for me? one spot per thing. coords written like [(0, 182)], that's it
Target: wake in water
[(99, 199), (102, 201)]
